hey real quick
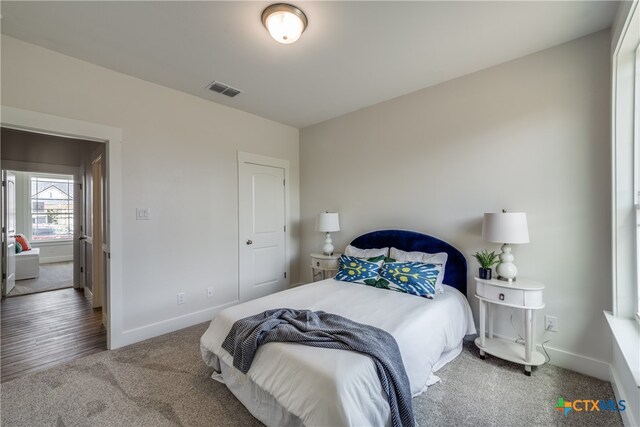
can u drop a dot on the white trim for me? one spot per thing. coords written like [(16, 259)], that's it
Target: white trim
[(627, 416), (257, 159), (46, 123), (50, 242), (28, 212), (627, 335), (623, 245), (53, 243), (131, 336), (578, 363), (52, 259), (571, 361)]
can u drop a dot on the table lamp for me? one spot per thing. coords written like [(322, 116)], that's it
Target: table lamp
[(506, 228), (328, 222)]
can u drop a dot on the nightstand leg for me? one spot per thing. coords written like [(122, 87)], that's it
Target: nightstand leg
[(528, 339), (533, 331), (490, 316), (527, 370), (482, 315)]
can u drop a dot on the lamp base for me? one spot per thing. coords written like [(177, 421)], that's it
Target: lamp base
[(506, 270), (327, 249)]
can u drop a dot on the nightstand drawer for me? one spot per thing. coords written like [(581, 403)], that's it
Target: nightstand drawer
[(503, 295), (331, 264)]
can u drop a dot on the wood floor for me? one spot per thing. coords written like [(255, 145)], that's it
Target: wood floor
[(46, 329)]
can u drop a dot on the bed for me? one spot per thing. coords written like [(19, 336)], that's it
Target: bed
[(292, 384)]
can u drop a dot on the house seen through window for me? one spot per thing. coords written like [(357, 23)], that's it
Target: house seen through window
[(51, 207)]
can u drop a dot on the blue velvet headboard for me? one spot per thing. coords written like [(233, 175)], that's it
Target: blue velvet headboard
[(455, 273)]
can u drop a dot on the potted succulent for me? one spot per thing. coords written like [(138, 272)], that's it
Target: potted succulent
[(486, 260)]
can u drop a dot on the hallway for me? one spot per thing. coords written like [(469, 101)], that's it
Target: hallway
[(46, 329)]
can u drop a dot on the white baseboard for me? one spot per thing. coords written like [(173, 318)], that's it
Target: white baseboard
[(578, 363), (627, 416), (574, 362), (131, 336), (51, 259), (88, 294)]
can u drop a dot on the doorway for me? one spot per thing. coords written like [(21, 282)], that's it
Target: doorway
[(41, 208), (58, 193), (53, 191), (111, 138)]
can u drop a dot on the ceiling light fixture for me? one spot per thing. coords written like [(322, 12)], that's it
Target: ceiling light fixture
[(284, 22)]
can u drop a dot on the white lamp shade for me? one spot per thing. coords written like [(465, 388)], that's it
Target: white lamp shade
[(328, 222), (505, 227)]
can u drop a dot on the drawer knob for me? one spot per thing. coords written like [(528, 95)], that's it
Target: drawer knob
[(318, 263), (501, 296)]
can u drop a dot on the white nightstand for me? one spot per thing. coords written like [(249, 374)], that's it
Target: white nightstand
[(324, 266), (524, 294)]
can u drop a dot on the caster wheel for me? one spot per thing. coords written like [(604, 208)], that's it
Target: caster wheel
[(482, 356), (527, 373)]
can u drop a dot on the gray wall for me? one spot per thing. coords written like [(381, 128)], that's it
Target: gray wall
[(179, 158), (529, 135)]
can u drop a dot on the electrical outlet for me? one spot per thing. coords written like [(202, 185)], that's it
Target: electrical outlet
[(181, 297), (551, 323), (209, 292)]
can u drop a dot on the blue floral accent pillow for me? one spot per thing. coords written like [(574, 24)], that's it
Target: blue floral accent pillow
[(413, 278), (356, 270)]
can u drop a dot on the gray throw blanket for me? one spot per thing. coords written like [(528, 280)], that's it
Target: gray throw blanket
[(320, 329)]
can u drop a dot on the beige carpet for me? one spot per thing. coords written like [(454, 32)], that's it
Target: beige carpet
[(56, 275), (163, 382)]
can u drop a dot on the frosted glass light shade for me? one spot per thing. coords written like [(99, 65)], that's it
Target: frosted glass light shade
[(328, 222), (505, 227), (284, 22)]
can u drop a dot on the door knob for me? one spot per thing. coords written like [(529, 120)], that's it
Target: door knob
[(249, 242)]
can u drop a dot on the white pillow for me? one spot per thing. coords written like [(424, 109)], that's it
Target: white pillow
[(365, 253), (437, 258)]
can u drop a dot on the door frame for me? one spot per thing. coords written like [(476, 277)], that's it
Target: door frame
[(7, 248), (97, 239), (32, 121), (257, 159)]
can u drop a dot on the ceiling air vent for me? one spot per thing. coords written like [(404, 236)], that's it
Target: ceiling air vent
[(224, 89)]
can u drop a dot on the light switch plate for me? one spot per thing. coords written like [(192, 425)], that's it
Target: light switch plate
[(143, 214)]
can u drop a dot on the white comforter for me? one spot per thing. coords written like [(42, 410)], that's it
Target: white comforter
[(325, 387)]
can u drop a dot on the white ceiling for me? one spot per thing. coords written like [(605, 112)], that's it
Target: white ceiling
[(352, 55)]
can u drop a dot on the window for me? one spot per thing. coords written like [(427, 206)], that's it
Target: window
[(626, 167), (51, 205)]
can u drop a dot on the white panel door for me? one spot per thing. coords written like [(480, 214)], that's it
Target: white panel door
[(9, 247), (262, 263)]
